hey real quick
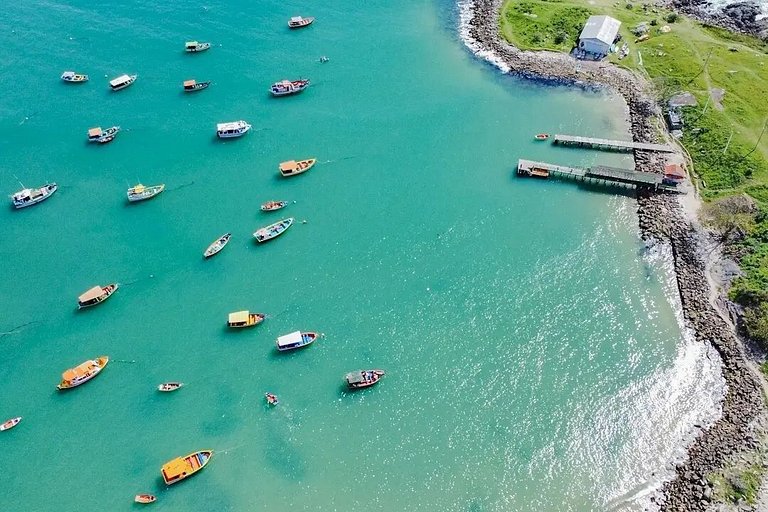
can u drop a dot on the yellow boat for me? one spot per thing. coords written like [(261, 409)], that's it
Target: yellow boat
[(244, 319), (82, 373), (294, 167), (181, 467)]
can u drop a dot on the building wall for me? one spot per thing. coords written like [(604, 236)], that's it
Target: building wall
[(594, 46)]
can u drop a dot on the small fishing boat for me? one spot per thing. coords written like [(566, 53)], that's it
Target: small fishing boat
[(217, 246), (96, 295), (296, 339), (72, 77), (30, 196), (294, 167), (363, 378), (122, 82), (271, 399), (194, 46), (271, 206), (82, 373), (233, 129), (10, 424), (541, 136), (99, 135), (240, 319), (273, 230), (324, 59), (180, 468), (145, 498), (141, 193), (287, 87), (299, 22), (167, 387), (191, 85)]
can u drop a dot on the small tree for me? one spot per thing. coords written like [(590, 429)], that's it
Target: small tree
[(561, 37), (672, 17), (732, 216)]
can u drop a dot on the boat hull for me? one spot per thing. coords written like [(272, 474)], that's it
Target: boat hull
[(48, 191), (217, 246), (370, 378), (8, 425), (273, 230), (307, 339), (273, 206), (149, 193), (182, 468), (300, 167), (109, 290), (101, 364), (167, 387), (305, 22), (125, 84), (145, 498), (254, 319)]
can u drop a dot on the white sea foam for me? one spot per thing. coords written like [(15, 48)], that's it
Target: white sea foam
[(466, 11)]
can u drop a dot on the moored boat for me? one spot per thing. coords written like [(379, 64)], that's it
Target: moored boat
[(271, 399), (10, 424), (363, 378), (296, 339), (96, 295), (167, 387), (194, 46), (122, 82), (271, 206), (99, 135), (192, 85), (299, 22), (232, 129), (240, 319), (72, 77), (141, 192), (30, 196), (82, 373), (217, 246), (273, 230), (287, 87), (541, 136), (294, 167), (145, 498), (180, 468)]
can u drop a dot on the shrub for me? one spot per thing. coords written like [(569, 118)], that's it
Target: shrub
[(672, 17)]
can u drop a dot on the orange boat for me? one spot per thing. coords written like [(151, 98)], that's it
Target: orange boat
[(145, 498), (294, 167), (182, 467), (82, 373)]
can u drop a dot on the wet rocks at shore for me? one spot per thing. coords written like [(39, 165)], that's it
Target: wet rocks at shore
[(661, 219), (741, 16)]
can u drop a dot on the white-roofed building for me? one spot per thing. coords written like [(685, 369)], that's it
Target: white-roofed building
[(598, 35)]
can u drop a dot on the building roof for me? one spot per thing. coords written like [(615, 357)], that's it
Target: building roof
[(289, 339), (602, 28), (674, 170)]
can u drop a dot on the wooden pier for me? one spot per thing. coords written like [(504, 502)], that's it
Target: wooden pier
[(597, 174), (608, 144)]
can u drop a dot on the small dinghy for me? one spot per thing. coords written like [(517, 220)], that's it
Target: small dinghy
[(30, 196), (10, 424), (288, 87), (271, 399), (299, 22), (273, 230), (141, 192), (145, 498), (271, 206), (541, 136), (296, 339), (363, 378), (167, 387), (217, 246), (294, 167), (191, 85), (72, 77), (194, 46)]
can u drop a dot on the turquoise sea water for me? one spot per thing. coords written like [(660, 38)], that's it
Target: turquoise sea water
[(534, 359)]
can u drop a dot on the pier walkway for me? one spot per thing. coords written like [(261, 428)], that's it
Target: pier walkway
[(613, 145), (596, 174)]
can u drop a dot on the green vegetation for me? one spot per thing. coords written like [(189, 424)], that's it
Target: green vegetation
[(724, 134), (739, 487)]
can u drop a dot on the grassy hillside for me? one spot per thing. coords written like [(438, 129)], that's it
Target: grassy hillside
[(726, 134)]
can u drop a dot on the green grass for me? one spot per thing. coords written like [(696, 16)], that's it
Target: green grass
[(725, 140), (740, 486)]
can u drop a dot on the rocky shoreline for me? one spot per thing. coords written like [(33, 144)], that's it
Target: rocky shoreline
[(661, 219)]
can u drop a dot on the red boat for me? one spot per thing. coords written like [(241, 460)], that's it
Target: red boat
[(145, 498), (542, 136), (271, 399), (271, 206), (363, 378)]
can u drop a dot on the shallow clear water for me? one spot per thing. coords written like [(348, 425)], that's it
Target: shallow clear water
[(533, 359)]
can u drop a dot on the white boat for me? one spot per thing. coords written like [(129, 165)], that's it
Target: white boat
[(10, 424), (102, 136), (96, 295), (72, 77), (217, 246), (82, 373), (140, 192), (288, 87), (122, 82), (273, 230), (167, 387), (194, 46), (299, 22), (30, 196), (296, 339), (232, 129)]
